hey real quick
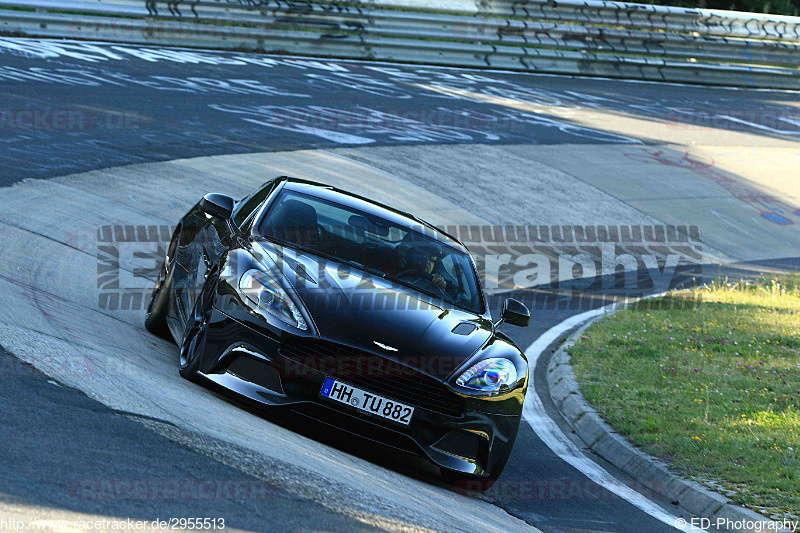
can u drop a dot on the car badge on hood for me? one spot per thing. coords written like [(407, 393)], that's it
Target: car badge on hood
[(385, 347)]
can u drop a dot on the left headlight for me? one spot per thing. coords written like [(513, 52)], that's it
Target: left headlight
[(263, 290), (489, 375)]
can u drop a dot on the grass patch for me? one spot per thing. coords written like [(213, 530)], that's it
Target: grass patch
[(712, 388)]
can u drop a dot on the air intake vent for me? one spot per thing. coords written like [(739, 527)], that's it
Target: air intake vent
[(465, 328)]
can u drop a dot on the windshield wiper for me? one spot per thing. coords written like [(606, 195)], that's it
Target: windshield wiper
[(355, 264)]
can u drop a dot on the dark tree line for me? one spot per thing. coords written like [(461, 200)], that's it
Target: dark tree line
[(775, 7)]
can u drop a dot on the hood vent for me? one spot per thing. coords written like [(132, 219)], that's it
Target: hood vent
[(465, 328)]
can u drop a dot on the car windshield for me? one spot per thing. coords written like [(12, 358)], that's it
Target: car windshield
[(375, 245)]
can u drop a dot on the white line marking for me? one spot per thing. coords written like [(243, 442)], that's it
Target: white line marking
[(732, 224), (761, 126), (335, 136), (547, 430)]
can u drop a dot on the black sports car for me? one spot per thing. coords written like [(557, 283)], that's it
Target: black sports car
[(348, 312)]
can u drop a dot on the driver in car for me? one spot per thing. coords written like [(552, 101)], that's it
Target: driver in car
[(437, 279), (420, 264)]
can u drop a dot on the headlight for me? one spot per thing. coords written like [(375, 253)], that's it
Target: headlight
[(263, 290), (489, 375)]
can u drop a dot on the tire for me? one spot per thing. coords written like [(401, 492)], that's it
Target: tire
[(156, 318), (194, 338)]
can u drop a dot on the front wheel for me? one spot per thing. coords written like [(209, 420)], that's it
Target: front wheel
[(156, 318), (194, 338)]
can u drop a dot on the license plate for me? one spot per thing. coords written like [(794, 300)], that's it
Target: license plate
[(366, 401)]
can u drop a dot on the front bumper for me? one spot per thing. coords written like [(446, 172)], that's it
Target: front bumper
[(477, 441)]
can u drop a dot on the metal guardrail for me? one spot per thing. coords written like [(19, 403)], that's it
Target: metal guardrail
[(572, 37)]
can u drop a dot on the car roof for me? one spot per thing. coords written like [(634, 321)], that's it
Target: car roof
[(371, 207)]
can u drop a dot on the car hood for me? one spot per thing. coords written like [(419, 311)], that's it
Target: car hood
[(368, 312)]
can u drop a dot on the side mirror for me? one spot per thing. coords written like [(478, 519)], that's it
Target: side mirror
[(515, 313), (217, 205)]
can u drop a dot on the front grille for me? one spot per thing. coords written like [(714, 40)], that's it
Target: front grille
[(374, 373)]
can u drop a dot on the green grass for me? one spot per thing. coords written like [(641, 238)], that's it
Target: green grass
[(712, 388)]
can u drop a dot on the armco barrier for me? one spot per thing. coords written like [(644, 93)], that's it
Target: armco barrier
[(611, 39)]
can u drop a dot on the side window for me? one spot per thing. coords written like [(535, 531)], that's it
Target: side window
[(252, 202)]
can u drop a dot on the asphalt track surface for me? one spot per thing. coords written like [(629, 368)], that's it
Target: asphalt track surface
[(70, 108), (52, 434), (119, 105)]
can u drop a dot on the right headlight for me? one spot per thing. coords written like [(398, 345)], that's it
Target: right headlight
[(489, 375), (263, 290)]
